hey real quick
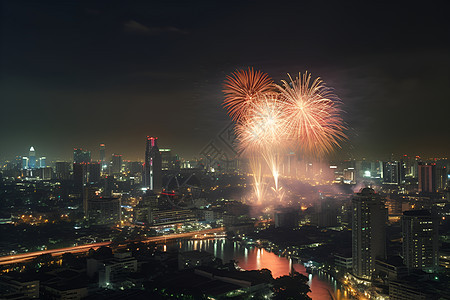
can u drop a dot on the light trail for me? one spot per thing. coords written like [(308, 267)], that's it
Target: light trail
[(12, 259)]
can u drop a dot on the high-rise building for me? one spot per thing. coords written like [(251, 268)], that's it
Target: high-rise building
[(62, 170), (103, 163), (25, 162), (93, 170), (427, 177), (80, 156), (393, 172), (116, 164), (166, 158), (368, 232), (80, 176), (32, 158), (420, 240), (42, 162), (152, 177)]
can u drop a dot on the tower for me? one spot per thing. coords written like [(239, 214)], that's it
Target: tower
[(420, 240), (368, 232), (32, 158), (152, 177), (103, 157)]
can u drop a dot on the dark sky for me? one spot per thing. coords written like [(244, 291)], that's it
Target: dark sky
[(76, 74)]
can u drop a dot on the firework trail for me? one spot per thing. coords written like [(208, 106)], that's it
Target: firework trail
[(242, 89), (315, 125), (262, 132), (258, 178)]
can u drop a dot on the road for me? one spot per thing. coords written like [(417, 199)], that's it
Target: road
[(12, 259)]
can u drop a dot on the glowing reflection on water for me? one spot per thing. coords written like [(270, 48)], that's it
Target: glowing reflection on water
[(322, 285)]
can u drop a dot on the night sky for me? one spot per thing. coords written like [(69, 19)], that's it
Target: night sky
[(80, 73)]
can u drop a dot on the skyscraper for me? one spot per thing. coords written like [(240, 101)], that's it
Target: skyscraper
[(25, 162), (42, 162), (427, 177), (152, 177), (420, 240), (103, 157), (80, 156), (32, 158), (116, 164), (393, 172), (368, 232)]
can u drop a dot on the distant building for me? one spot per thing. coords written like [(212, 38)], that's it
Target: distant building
[(62, 170), (286, 219), (18, 288), (420, 240), (368, 232), (116, 164), (393, 172), (42, 162), (163, 217), (427, 177), (103, 211), (80, 177), (343, 261), (103, 163), (80, 156), (32, 158), (152, 176), (25, 162), (94, 171), (112, 272)]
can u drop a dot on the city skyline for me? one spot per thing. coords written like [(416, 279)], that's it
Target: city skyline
[(96, 73)]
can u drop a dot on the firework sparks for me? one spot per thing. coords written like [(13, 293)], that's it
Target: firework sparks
[(315, 124), (270, 119), (242, 89)]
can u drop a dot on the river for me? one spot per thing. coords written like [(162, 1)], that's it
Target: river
[(322, 285)]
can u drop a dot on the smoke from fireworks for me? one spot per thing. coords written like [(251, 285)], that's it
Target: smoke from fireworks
[(270, 119)]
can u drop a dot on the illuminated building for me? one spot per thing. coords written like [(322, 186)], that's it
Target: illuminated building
[(164, 217), (393, 172), (152, 176), (81, 156), (103, 157), (368, 232), (25, 161), (427, 177), (420, 240), (112, 272), (168, 160), (42, 162), (32, 158)]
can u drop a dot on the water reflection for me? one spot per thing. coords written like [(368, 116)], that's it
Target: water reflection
[(253, 258)]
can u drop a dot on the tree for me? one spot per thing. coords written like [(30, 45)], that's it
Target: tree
[(293, 287)]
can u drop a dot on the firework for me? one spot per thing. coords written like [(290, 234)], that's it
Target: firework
[(242, 89), (315, 125), (300, 114), (258, 178), (263, 131)]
